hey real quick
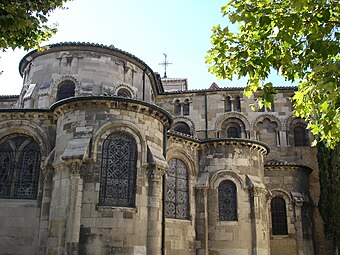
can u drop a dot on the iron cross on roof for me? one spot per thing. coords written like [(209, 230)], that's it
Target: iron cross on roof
[(165, 64)]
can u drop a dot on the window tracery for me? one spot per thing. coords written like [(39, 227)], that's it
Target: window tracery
[(177, 190), (227, 201), (118, 171), (19, 167)]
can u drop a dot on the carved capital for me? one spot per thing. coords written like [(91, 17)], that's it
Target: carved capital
[(155, 174), (74, 167)]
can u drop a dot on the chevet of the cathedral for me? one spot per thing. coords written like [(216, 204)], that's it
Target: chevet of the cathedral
[(101, 155)]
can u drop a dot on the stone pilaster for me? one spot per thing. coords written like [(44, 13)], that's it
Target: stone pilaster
[(46, 174), (74, 212), (154, 234)]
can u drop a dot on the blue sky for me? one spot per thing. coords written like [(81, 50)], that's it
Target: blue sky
[(144, 28)]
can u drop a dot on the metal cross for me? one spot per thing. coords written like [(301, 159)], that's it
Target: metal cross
[(165, 64)]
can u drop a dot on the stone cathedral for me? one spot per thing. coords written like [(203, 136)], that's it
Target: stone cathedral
[(99, 155)]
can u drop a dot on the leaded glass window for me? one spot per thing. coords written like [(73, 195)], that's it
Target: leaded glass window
[(66, 89), (19, 167), (177, 190), (118, 171), (227, 201), (279, 216)]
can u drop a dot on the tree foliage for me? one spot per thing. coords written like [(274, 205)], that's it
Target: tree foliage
[(329, 206), (299, 39), (23, 23)]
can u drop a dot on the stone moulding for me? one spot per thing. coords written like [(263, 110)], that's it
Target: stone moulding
[(218, 142), (112, 102)]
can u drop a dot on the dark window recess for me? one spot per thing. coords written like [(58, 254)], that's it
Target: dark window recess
[(234, 132), (124, 93), (19, 167), (227, 201), (237, 104), (177, 190), (301, 136), (279, 216), (118, 171), (66, 89), (186, 107), (177, 108), (227, 104), (182, 128)]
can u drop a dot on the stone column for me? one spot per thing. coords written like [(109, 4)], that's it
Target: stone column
[(154, 210), (74, 212)]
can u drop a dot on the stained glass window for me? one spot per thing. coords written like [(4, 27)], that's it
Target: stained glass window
[(19, 167), (279, 216), (227, 200), (177, 190), (66, 90), (118, 171)]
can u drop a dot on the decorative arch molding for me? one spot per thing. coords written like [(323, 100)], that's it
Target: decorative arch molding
[(187, 121), (125, 86), (122, 126), (57, 81), (28, 128), (291, 121), (271, 117), (183, 155), (281, 193), (221, 119), (219, 176)]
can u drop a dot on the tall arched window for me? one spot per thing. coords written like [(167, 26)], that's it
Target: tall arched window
[(182, 127), (279, 216), (65, 90), (186, 107), (177, 190), (301, 135), (227, 104), (19, 167), (118, 171), (178, 108), (227, 201)]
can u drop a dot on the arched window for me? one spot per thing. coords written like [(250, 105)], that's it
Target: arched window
[(234, 132), (178, 108), (118, 171), (279, 216), (19, 167), (227, 104), (301, 135), (237, 104), (182, 128), (177, 190), (66, 90), (186, 107), (227, 201), (124, 93)]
